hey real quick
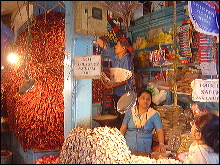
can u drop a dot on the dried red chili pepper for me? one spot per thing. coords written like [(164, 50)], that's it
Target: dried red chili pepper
[(31, 108)]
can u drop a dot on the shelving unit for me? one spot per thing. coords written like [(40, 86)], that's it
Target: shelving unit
[(158, 18), (161, 19)]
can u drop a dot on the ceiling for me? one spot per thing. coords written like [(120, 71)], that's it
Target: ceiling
[(7, 7)]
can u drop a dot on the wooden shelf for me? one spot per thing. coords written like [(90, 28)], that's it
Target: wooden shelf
[(147, 69), (151, 48), (190, 64), (189, 94), (165, 67)]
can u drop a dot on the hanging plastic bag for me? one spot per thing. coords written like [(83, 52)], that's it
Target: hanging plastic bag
[(158, 96)]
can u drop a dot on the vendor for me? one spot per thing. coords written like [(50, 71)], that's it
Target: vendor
[(139, 123), (120, 58)]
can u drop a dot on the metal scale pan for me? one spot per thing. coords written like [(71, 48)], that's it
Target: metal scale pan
[(126, 102)]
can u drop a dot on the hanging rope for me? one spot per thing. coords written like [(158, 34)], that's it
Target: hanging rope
[(58, 3), (28, 42), (175, 51)]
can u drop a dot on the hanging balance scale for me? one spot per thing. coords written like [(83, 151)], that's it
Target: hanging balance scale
[(28, 83), (104, 119), (126, 102), (124, 9)]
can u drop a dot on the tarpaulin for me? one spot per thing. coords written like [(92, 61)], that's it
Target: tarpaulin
[(6, 35)]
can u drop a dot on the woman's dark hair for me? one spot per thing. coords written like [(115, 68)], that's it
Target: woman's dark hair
[(147, 91), (208, 124)]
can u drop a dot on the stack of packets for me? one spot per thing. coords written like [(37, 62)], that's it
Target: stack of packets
[(186, 141), (172, 120), (184, 78)]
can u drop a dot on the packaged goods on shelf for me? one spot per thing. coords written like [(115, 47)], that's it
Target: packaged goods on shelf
[(184, 78), (172, 120), (186, 141)]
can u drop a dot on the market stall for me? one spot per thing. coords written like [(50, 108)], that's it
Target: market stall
[(64, 118)]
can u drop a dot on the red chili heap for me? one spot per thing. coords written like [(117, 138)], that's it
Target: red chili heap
[(97, 91), (37, 117), (51, 159)]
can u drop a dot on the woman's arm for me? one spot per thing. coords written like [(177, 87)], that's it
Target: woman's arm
[(107, 86), (101, 43), (123, 129), (160, 135), (119, 84)]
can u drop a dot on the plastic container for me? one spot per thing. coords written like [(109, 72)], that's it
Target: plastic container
[(6, 157), (35, 154)]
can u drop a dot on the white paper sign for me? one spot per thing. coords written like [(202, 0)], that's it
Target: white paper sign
[(205, 90), (208, 68), (87, 67)]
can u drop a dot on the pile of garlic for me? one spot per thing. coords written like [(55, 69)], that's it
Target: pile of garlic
[(101, 145)]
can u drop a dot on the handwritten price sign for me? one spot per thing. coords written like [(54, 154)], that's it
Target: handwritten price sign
[(205, 90), (87, 67)]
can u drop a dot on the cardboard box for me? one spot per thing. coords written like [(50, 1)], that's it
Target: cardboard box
[(170, 3)]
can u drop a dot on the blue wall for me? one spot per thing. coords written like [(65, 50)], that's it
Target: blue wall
[(77, 92)]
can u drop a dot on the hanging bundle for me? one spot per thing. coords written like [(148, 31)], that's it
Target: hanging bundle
[(119, 34), (124, 9)]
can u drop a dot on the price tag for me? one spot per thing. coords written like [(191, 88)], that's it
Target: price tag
[(208, 68)]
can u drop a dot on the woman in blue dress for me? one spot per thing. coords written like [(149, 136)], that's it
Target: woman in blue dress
[(139, 123)]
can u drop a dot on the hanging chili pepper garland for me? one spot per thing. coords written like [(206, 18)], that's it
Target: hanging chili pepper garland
[(36, 117), (97, 87), (119, 34)]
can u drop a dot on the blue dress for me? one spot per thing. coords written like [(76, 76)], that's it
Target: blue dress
[(140, 139)]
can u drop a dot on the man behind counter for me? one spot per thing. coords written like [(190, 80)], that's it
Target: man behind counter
[(120, 58)]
